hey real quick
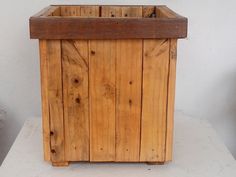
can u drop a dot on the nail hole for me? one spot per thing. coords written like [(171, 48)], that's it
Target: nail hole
[(77, 100), (126, 15), (51, 133), (53, 151), (112, 15), (127, 149), (101, 149), (92, 52), (130, 102), (130, 82), (76, 81)]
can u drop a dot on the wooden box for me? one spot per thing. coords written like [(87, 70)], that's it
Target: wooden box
[(108, 82)]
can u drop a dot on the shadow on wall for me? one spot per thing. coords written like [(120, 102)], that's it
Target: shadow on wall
[(221, 111), (3, 115)]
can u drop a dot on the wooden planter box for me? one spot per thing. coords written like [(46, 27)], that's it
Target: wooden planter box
[(108, 82)]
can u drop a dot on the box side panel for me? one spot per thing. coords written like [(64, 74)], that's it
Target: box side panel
[(155, 77), (171, 99), (44, 98)]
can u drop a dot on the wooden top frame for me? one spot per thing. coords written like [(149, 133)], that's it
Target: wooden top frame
[(49, 24)]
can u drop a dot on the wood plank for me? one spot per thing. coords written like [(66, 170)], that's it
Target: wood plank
[(155, 75), (132, 11), (72, 11), (128, 85), (44, 99), (107, 28), (171, 99), (89, 11), (149, 11), (76, 112), (128, 99), (55, 100), (102, 100), (75, 79)]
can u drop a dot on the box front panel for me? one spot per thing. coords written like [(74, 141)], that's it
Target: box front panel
[(107, 100)]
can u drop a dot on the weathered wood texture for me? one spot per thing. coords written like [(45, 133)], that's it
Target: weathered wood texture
[(43, 26), (128, 89), (55, 101), (75, 81), (171, 99), (155, 76), (110, 99), (44, 99), (102, 100)]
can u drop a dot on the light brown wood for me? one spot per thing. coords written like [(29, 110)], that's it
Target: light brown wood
[(60, 164), (128, 89), (102, 99), (76, 111), (72, 11), (155, 75), (55, 100), (111, 11), (128, 99), (171, 99), (75, 80), (132, 11), (89, 11), (108, 82), (149, 11), (44, 97)]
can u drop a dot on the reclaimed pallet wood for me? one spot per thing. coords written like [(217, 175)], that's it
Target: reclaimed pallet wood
[(108, 82)]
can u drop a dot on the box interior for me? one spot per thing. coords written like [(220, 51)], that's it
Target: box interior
[(106, 11)]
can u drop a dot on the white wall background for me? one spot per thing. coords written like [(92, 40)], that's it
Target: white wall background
[(206, 71)]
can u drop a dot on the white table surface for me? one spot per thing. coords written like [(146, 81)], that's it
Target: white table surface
[(198, 152)]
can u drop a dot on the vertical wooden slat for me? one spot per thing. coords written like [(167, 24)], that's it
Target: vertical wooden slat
[(102, 100), (44, 97), (128, 88), (154, 105), (70, 11), (55, 101), (128, 99), (89, 11), (171, 99), (75, 81), (76, 112), (132, 11)]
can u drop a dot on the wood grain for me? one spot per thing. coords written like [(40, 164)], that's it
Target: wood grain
[(171, 99), (102, 100), (44, 99), (128, 99), (55, 100), (107, 28), (128, 89), (149, 11), (75, 80), (76, 111), (72, 11), (155, 75)]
